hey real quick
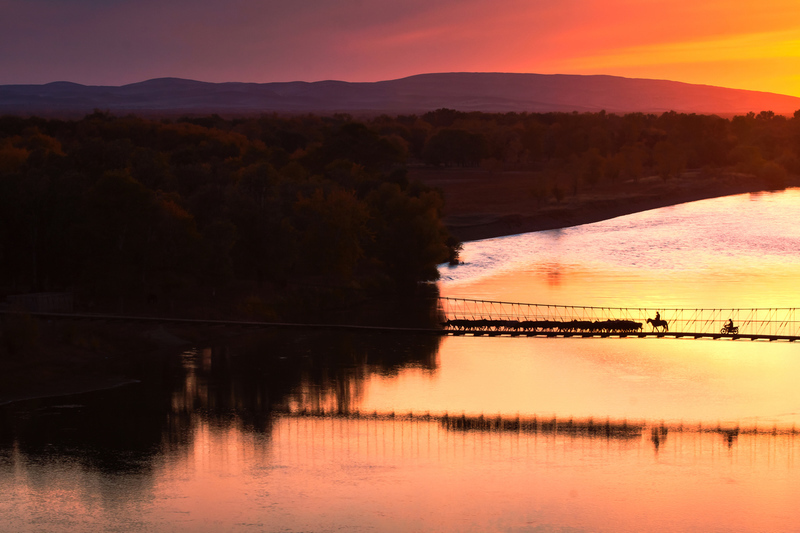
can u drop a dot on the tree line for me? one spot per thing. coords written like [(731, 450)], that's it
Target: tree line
[(601, 148), (124, 204)]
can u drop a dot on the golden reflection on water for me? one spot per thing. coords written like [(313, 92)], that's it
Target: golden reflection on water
[(415, 475), (398, 473), (358, 474), (579, 285), (651, 379), (734, 252)]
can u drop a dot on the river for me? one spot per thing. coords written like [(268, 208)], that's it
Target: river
[(388, 432)]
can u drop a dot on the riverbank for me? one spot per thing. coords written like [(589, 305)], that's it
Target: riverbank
[(66, 357), (482, 205)]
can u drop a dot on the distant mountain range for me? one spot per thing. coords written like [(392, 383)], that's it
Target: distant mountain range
[(494, 92)]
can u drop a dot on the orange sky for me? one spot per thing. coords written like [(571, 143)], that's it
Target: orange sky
[(742, 44)]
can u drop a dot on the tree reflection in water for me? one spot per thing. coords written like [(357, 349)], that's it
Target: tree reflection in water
[(237, 383), (262, 373)]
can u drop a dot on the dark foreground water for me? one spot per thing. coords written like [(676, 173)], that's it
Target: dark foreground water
[(331, 431)]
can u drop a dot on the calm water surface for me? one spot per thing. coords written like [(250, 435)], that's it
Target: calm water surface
[(732, 252), (333, 431)]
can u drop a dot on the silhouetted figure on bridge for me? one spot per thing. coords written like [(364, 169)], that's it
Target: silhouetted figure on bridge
[(658, 323), (729, 327)]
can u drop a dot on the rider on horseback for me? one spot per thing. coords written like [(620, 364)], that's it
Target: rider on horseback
[(657, 322)]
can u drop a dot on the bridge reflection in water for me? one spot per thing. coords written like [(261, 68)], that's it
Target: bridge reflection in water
[(306, 433), (483, 317)]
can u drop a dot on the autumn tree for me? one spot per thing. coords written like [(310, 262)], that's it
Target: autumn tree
[(409, 237), (669, 159), (457, 147)]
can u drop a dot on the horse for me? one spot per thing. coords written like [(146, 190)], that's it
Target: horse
[(658, 324)]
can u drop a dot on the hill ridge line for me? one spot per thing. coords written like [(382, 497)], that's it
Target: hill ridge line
[(462, 91)]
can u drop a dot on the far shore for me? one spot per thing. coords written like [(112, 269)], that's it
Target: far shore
[(482, 205)]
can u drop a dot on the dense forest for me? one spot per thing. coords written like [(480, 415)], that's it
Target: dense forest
[(132, 208), (122, 207), (592, 148)]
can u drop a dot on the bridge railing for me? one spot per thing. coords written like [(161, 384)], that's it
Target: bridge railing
[(753, 321)]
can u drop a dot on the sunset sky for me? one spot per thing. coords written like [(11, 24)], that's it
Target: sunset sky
[(746, 44)]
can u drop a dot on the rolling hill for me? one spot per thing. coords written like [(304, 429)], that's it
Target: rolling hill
[(491, 92)]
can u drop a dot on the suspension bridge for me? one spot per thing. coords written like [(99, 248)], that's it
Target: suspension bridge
[(486, 318), (492, 318)]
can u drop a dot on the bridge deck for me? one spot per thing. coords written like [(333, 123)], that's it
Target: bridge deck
[(765, 335), (606, 335)]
